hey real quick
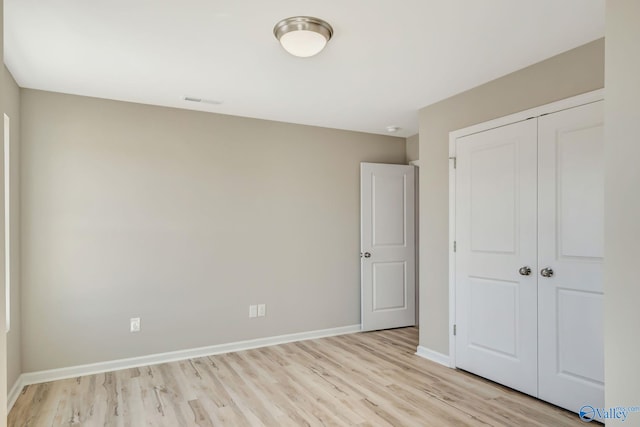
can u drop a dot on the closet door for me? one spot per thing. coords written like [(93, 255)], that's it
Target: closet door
[(570, 243), (496, 298)]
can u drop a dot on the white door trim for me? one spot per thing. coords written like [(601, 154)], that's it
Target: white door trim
[(575, 101), (452, 255), (563, 104)]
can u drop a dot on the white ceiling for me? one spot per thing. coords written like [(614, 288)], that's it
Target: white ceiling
[(387, 59)]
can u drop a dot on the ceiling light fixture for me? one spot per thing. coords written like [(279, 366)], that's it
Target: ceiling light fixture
[(393, 129), (303, 36)]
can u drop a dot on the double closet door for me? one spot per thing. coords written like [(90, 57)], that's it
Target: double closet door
[(529, 249)]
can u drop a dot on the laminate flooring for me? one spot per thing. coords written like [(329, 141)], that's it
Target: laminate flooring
[(363, 379)]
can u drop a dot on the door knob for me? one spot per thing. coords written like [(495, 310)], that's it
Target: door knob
[(546, 272), (367, 255), (525, 271)]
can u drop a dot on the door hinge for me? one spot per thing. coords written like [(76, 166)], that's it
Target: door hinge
[(455, 161), (454, 330), (454, 246)]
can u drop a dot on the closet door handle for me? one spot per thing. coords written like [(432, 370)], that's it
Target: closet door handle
[(525, 271), (546, 272)]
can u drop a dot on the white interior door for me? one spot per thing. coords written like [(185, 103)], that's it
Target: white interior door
[(387, 246), (570, 242), (496, 296)]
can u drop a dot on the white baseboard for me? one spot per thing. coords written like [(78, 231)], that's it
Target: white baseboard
[(15, 391), (434, 356), (154, 359)]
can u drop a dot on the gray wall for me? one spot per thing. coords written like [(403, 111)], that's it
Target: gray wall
[(622, 204), (571, 73), (413, 148), (11, 104), (184, 219)]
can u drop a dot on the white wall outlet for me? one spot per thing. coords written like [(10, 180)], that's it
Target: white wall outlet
[(253, 310), (262, 310), (135, 324)]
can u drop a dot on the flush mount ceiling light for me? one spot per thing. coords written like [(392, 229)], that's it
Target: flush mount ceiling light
[(303, 36)]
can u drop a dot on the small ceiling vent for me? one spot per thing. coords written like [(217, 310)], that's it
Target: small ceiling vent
[(201, 100)]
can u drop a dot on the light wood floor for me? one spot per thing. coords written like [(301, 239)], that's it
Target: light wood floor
[(366, 379)]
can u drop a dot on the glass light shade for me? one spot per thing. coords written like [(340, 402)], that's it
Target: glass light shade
[(303, 43)]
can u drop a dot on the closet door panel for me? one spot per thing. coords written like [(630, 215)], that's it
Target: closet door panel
[(496, 306), (570, 242)]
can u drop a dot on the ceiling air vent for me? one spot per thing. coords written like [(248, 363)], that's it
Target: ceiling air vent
[(201, 100)]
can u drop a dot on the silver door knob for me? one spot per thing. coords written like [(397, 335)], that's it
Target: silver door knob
[(367, 255), (546, 272), (524, 271)]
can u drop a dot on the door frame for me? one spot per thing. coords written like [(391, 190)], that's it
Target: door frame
[(564, 104), (416, 239)]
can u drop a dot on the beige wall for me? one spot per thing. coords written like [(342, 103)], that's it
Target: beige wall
[(3, 336), (571, 73), (622, 204), (413, 148), (184, 219), (11, 103)]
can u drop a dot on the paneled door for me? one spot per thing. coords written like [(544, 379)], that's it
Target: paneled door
[(496, 294), (387, 246), (570, 255)]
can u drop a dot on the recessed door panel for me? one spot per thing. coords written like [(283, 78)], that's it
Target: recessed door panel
[(389, 286), (388, 227), (580, 191), (580, 335), (494, 198), (493, 316)]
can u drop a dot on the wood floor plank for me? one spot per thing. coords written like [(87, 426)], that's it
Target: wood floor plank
[(201, 416), (364, 379), (261, 374)]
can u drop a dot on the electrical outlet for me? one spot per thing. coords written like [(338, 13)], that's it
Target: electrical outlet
[(135, 324), (253, 310), (262, 310)]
